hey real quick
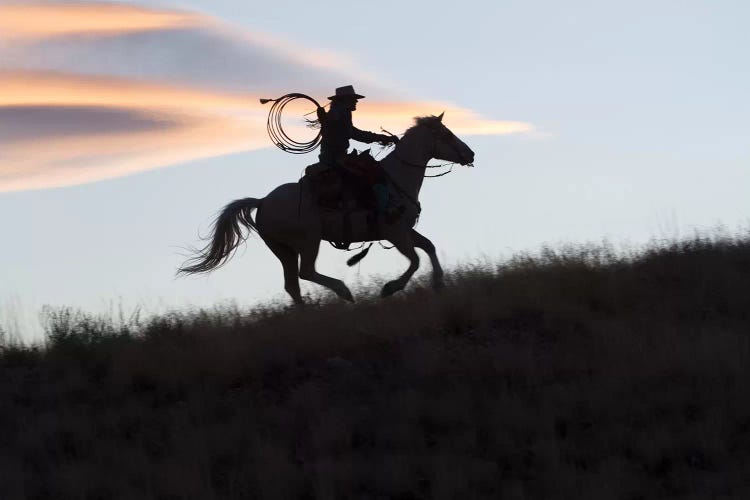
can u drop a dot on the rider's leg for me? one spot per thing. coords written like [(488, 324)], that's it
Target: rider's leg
[(380, 192)]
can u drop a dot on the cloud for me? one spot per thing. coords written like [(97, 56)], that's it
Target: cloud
[(76, 158), (91, 91), (460, 120), (31, 20), (65, 89), (19, 124), (59, 130), (192, 49)]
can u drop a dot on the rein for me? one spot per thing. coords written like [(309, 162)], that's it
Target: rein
[(361, 255), (449, 164), (401, 190)]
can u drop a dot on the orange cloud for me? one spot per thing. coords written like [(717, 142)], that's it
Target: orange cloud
[(33, 21), (72, 125), (39, 20), (61, 89), (460, 120), (69, 160), (201, 124)]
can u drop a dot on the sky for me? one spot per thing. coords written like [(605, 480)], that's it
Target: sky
[(125, 127)]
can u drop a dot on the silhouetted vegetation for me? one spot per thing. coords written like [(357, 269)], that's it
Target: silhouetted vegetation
[(576, 373)]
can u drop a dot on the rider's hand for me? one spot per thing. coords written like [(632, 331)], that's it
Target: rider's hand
[(389, 139)]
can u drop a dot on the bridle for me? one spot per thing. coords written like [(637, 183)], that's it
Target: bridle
[(433, 152), (352, 261)]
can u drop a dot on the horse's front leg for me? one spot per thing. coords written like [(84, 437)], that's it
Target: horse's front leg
[(404, 244), (308, 256), (421, 241)]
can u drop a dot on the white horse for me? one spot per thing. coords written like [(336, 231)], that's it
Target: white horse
[(291, 223)]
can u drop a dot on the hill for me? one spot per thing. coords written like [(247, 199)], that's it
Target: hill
[(577, 373)]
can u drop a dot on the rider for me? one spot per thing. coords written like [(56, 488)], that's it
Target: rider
[(337, 129)]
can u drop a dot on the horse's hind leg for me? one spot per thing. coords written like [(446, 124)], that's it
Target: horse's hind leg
[(308, 256), (420, 241), (289, 261)]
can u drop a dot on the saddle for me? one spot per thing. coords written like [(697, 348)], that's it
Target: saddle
[(344, 192), (346, 186)]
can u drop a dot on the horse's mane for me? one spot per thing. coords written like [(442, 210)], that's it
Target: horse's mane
[(424, 121)]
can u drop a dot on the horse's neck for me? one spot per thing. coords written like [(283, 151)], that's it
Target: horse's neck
[(404, 162)]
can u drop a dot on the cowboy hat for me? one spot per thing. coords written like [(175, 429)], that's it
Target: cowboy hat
[(346, 91)]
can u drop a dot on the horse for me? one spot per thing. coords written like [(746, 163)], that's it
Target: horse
[(292, 224)]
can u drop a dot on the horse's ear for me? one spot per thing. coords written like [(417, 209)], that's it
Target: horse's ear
[(440, 118)]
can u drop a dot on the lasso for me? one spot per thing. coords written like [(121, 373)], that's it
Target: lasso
[(276, 131)]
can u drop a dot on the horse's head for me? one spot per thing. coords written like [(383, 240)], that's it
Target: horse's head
[(445, 145)]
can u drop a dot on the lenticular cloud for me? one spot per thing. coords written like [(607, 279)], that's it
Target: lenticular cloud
[(87, 94)]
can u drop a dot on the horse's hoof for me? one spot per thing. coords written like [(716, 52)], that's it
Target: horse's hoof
[(389, 289), (347, 295), (438, 285)]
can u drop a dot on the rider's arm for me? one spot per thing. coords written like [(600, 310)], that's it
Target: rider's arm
[(368, 137)]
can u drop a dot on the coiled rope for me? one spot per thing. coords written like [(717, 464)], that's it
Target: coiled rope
[(276, 131)]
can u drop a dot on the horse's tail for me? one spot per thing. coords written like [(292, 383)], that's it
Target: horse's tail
[(227, 236)]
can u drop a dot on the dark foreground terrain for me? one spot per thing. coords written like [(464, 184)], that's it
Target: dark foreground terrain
[(576, 374)]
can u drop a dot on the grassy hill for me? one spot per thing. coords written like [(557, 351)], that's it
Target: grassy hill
[(577, 373)]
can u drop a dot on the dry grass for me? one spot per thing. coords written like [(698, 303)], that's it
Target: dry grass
[(573, 374)]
